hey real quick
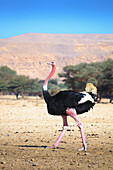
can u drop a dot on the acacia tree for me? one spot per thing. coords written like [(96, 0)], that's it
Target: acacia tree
[(21, 84), (100, 74), (5, 75), (107, 81), (11, 82), (76, 76)]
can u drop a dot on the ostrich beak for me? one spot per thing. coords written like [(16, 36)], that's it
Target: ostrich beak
[(49, 63)]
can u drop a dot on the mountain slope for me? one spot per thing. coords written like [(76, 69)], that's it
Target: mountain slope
[(29, 53)]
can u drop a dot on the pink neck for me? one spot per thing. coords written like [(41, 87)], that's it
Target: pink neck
[(50, 75)]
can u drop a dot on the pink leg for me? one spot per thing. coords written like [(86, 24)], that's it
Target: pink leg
[(65, 125), (72, 112)]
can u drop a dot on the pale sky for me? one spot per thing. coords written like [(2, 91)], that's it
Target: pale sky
[(55, 16)]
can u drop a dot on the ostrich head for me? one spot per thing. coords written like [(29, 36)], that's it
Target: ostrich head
[(52, 63)]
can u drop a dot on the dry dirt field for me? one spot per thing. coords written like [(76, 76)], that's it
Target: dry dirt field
[(26, 129)]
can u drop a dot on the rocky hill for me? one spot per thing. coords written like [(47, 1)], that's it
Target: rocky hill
[(29, 53)]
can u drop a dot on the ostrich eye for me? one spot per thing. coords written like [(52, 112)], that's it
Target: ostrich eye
[(53, 63)]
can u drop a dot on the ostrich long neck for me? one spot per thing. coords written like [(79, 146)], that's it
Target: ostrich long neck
[(50, 75)]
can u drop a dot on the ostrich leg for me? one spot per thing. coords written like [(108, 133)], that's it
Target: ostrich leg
[(65, 125), (72, 112)]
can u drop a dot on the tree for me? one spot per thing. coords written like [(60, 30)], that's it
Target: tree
[(75, 77), (100, 74), (17, 84), (5, 75), (107, 81), (21, 84)]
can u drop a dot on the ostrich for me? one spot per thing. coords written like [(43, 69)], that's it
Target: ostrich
[(68, 103)]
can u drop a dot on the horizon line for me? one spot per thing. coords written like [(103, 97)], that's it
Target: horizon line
[(59, 34)]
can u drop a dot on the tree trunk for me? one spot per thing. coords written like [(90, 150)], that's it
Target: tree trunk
[(111, 100), (17, 94), (99, 97)]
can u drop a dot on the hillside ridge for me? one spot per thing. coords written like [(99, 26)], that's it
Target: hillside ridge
[(28, 53)]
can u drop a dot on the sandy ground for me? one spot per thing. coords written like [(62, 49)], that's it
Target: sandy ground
[(26, 129)]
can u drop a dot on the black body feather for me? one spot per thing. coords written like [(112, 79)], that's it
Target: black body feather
[(58, 103)]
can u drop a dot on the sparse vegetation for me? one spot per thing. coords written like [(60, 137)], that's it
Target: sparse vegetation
[(10, 82), (74, 77), (100, 74)]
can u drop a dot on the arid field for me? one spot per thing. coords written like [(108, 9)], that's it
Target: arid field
[(26, 129)]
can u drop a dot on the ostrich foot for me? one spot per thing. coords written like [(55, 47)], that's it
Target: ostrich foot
[(51, 147), (84, 148)]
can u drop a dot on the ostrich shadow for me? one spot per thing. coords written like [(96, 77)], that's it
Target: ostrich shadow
[(34, 146)]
